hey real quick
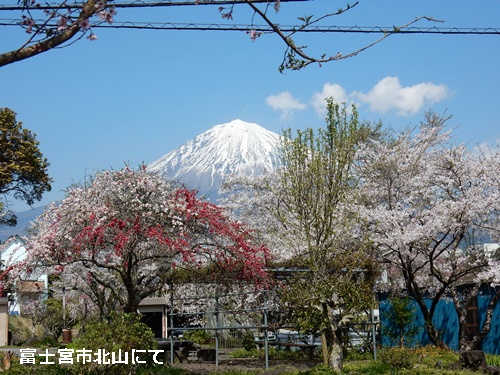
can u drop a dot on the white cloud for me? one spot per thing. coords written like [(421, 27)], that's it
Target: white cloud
[(330, 90), (388, 94), (285, 102)]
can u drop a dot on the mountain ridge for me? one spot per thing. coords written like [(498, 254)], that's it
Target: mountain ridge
[(236, 147)]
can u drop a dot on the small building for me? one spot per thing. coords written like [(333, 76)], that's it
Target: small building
[(155, 315), (27, 290)]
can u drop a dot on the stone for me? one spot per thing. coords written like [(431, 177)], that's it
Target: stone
[(473, 359)]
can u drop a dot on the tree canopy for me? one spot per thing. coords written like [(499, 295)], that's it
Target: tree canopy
[(23, 169)]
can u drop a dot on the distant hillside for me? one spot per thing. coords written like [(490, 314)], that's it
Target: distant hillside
[(23, 222)]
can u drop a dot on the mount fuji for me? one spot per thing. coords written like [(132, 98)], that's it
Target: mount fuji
[(236, 147)]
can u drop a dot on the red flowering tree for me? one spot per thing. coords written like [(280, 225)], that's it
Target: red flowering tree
[(123, 237)]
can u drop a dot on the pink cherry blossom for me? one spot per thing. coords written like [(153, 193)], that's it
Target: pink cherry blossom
[(62, 23), (84, 24)]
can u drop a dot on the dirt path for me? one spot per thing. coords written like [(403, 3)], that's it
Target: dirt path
[(243, 365)]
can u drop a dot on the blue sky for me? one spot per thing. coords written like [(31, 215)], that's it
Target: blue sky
[(134, 95)]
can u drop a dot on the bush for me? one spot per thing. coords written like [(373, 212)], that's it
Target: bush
[(398, 358), (248, 341), (367, 367), (357, 355), (199, 336), (122, 332), (432, 356), (296, 355)]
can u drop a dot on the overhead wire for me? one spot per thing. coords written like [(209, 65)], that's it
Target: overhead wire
[(284, 28), (239, 27), (140, 4)]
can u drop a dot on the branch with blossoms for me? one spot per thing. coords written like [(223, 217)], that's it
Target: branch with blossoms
[(70, 22), (295, 56), (72, 19)]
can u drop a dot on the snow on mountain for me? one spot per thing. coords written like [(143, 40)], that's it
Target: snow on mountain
[(237, 147)]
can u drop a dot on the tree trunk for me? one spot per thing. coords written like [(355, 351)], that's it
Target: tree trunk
[(331, 350), (434, 335), (335, 360), (477, 341), (324, 349)]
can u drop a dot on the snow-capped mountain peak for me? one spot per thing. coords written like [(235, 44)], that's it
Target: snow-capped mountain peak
[(236, 147)]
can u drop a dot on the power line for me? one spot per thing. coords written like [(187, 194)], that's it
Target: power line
[(236, 27), (138, 4), (285, 28), (315, 29)]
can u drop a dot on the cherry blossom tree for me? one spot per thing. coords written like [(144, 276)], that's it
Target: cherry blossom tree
[(126, 235), (61, 23), (431, 203)]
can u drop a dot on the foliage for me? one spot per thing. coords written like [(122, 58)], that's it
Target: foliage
[(431, 355), (46, 314), (121, 332), (245, 353), (126, 235), (493, 360), (199, 336), (305, 209), (399, 358), (22, 329), (428, 359), (18, 369), (401, 328), (357, 355), (52, 317), (248, 341), (379, 368), (367, 368), (23, 169)]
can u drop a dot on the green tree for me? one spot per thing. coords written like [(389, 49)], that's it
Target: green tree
[(401, 318), (23, 169), (318, 187), (307, 208)]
